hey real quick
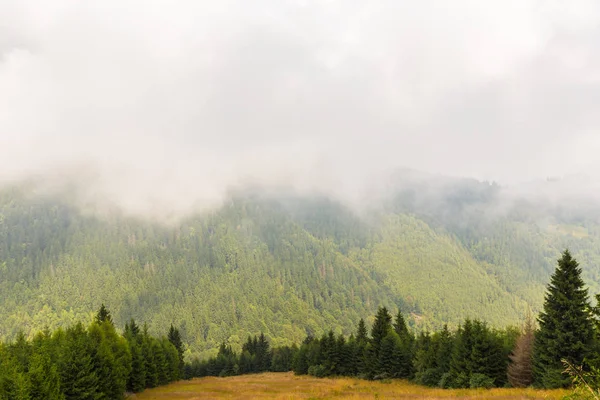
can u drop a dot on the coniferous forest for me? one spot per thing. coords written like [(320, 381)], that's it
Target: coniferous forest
[(286, 265), (97, 362)]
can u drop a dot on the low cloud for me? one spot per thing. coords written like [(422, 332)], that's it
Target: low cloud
[(161, 108)]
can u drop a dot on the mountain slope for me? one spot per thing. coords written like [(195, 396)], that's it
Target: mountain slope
[(285, 265)]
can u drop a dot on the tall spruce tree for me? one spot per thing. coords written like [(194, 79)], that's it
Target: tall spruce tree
[(79, 380), (400, 325), (566, 329), (361, 332), (380, 329), (175, 338), (381, 326)]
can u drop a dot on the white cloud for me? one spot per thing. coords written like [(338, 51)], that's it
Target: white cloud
[(173, 102)]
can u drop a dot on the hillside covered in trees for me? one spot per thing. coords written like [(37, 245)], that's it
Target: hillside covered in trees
[(439, 249), (97, 362)]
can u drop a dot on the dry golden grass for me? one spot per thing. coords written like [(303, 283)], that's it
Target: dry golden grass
[(287, 386)]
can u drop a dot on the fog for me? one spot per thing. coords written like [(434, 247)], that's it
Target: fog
[(162, 107)]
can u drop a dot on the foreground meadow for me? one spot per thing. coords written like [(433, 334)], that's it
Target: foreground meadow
[(288, 386)]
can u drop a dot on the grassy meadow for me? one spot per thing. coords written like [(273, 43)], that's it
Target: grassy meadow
[(287, 386)]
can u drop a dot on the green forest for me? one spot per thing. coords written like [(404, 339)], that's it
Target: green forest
[(89, 363), (96, 362), (287, 266)]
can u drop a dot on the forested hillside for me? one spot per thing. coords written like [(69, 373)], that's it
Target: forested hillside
[(288, 266)]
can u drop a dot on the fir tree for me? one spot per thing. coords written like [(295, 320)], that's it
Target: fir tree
[(103, 315), (381, 327), (361, 332), (445, 344), (460, 363), (132, 329), (175, 338), (137, 378), (78, 377), (566, 329), (487, 354), (400, 325), (43, 370), (262, 356), (390, 362)]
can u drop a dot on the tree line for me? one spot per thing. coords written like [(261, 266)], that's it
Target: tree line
[(472, 356), (89, 363), (96, 362)]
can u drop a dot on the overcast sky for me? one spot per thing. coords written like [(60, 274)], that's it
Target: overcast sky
[(159, 105)]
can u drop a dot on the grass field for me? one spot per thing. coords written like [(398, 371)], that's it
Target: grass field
[(288, 386)]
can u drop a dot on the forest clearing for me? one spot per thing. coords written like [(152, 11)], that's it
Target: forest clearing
[(288, 386)]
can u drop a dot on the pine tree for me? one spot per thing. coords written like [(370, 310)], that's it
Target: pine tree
[(400, 325), (566, 329), (43, 371), (132, 329), (14, 384), (173, 367), (344, 357), (380, 329), (390, 360), (137, 378), (361, 333), (263, 359), (103, 315), (175, 338), (21, 351), (150, 366), (520, 370), (425, 360), (488, 358), (381, 326), (160, 362), (78, 377), (445, 344), (300, 364), (460, 363)]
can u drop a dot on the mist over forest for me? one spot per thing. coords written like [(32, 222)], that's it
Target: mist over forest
[(284, 169)]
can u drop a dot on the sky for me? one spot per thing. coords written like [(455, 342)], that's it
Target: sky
[(162, 106)]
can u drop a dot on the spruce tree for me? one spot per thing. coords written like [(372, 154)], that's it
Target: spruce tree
[(150, 366), (137, 378), (175, 338), (400, 325), (460, 363), (103, 315), (14, 384), (566, 329), (43, 370), (445, 343), (263, 359), (344, 366), (487, 355), (381, 327), (361, 333), (79, 379)]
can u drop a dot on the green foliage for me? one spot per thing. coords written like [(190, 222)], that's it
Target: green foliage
[(566, 328), (84, 363), (286, 267), (478, 380), (103, 315), (175, 338)]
